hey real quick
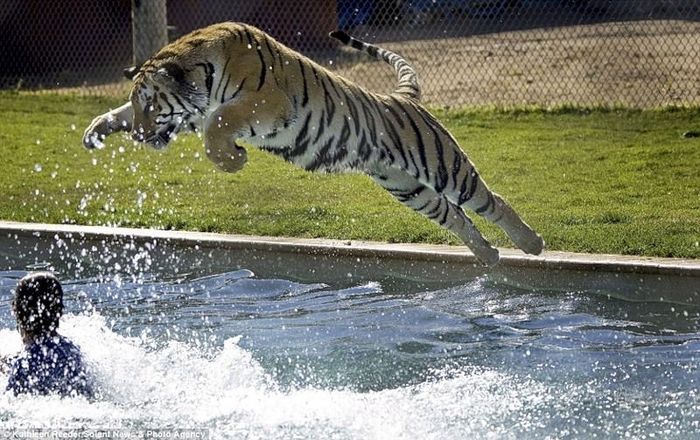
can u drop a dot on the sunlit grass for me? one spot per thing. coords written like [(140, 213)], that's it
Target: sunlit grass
[(601, 180)]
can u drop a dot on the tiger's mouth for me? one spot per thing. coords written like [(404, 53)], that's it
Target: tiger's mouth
[(161, 138)]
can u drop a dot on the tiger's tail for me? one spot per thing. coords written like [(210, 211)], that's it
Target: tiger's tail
[(408, 79)]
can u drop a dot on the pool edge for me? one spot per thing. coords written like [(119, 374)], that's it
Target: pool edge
[(426, 252)]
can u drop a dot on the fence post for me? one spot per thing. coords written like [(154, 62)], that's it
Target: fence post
[(149, 26)]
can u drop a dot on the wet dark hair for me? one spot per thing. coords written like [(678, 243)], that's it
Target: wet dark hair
[(38, 303)]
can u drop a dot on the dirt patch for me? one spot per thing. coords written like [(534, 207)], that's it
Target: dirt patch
[(640, 64)]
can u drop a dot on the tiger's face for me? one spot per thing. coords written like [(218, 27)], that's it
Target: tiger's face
[(163, 102)]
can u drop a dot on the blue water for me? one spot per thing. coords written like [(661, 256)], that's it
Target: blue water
[(247, 356)]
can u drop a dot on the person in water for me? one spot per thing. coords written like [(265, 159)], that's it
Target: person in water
[(49, 363)]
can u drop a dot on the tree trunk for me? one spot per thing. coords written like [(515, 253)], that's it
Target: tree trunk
[(149, 25)]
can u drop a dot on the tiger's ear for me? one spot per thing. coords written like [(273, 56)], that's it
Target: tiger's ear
[(173, 71), (130, 72)]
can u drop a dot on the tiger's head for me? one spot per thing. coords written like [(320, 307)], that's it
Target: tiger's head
[(165, 98)]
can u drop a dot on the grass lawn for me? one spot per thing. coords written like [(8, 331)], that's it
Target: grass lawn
[(611, 181)]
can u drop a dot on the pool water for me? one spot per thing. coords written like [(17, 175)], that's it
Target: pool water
[(249, 356)]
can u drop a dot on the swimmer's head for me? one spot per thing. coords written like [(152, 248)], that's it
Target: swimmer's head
[(38, 305)]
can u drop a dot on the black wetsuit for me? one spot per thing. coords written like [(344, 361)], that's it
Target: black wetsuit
[(50, 365)]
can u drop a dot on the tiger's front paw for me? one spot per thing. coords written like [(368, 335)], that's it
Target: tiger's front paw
[(229, 160), (97, 131), (101, 127)]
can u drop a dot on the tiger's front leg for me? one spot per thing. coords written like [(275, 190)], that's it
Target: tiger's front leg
[(221, 148), (249, 118), (119, 119)]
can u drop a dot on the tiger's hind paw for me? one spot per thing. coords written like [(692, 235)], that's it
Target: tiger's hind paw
[(534, 245), (488, 256)]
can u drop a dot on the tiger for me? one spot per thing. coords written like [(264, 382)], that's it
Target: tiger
[(236, 84)]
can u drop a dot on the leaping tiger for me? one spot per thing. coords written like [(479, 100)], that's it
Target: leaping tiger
[(240, 84)]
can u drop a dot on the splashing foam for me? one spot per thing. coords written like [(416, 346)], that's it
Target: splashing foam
[(228, 392)]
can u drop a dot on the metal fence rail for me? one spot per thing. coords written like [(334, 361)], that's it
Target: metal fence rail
[(640, 53)]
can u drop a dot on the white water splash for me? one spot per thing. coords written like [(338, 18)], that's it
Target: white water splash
[(229, 393)]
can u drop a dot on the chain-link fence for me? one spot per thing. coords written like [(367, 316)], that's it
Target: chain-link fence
[(642, 53)]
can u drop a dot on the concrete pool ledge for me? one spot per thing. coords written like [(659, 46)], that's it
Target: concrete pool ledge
[(642, 278)]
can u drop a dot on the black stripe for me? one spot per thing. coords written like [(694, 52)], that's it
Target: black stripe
[(280, 59), (441, 175), (164, 98), (474, 183), (322, 157), (304, 128), (330, 104), (179, 102), (305, 99), (321, 127), (340, 154), (363, 151), (372, 50), (456, 166), (340, 36), (408, 194), (421, 209), (221, 80), (353, 111), (231, 32), (445, 212), (209, 80), (485, 206), (273, 59), (465, 196), (386, 151), (435, 211), (301, 143), (315, 72), (263, 68), (395, 139), (397, 117), (269, 48), (416, 173), (223, 94), (463, 190), (369, 119), (344, 136), (419, 143), (240, 86), (318, 159)]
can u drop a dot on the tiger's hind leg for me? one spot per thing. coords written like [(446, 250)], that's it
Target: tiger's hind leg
[(479, 198), (412, 193)]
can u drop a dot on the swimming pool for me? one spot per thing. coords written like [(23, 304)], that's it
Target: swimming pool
[(257, 343)]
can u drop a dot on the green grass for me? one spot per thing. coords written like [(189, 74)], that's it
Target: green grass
[(601, 180)]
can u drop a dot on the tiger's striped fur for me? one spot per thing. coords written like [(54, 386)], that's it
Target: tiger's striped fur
[(238, 83)]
